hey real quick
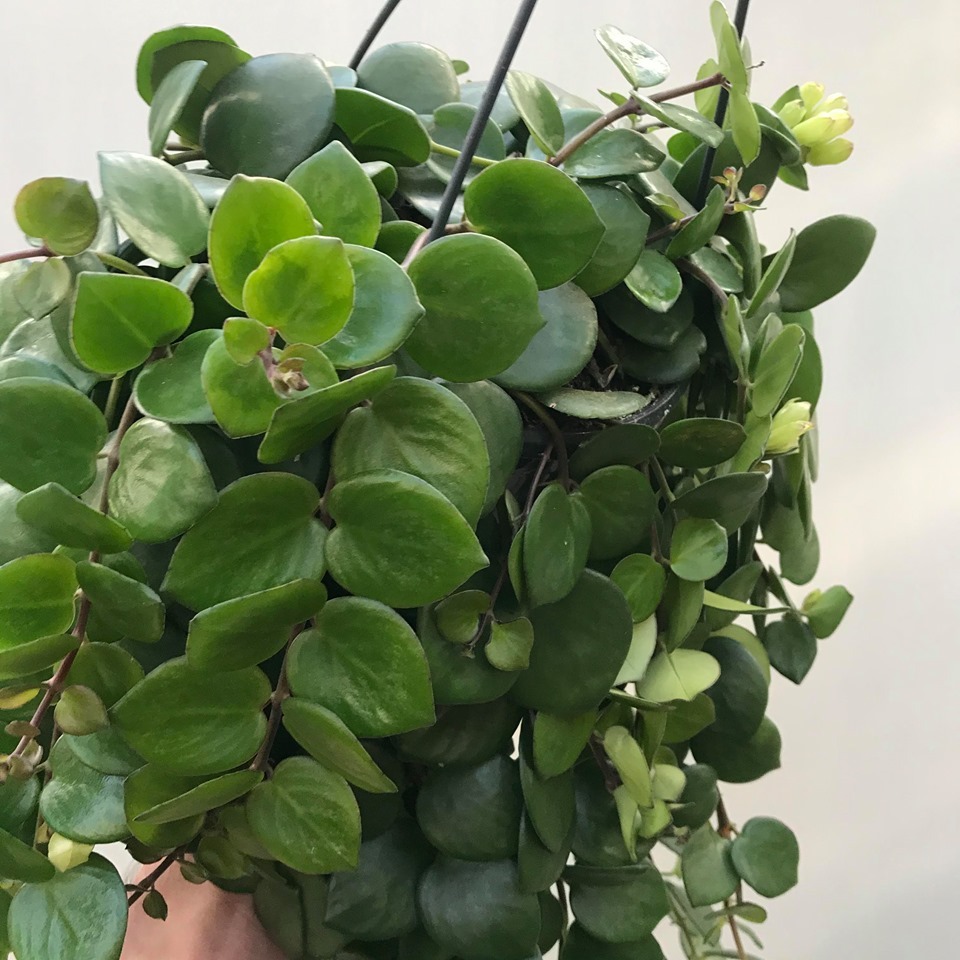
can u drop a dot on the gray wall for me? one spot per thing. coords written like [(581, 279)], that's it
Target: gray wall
[(869, 782)]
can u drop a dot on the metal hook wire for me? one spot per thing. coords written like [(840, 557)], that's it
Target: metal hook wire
[(373, 32)]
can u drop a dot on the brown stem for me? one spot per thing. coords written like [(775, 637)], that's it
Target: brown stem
[(631, 107), (26, 254), (280, 693), (150, 881), (186, 156), (611, 778), (726, 829), (560, 444), (532, 493), (691, 268)]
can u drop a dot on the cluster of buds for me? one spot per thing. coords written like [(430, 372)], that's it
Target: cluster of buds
[(819, 122), (730, 181), (790, 423)]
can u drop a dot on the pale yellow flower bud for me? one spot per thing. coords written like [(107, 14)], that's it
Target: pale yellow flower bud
[(790, 423), (826, 154), (812, 94), (817, 129), (836, 101), (65, 854), (792, 113)]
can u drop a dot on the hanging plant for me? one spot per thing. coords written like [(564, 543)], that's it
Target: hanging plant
[(401, 476)]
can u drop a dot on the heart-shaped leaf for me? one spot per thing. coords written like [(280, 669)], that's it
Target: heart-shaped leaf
[(766, 855), (170, 388), (680, 675), (69, 521), (60, 211)]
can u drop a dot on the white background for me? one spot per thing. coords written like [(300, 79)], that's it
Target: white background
[(870, 779)]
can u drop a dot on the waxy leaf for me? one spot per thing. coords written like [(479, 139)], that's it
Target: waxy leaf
[(627, 443), (450, 126), (57, 513), (170, 100), (306, 817), (19, 861), (340, 194), (118, 320), (268, 115), (791, 646), (379, 129), (121, 603), (698, 549), (329, 665), (60, 211), (740, 694), (329, 741), (700, 442), (418, 427), (472, 328), (683, 118), (538, 109), (417, 75), (766, 855), (43, 286), (701, 228), (624, 236), (727, 499), (201, 798), (208, 727), (580, 945), (558, 741), (51, 434), (617, 152), (156, 206), (738, 761), (149, 788), (624, 912), (639, 63), (162, 486), (170, 388), (539, 212), (622, 505), (304, 288), (708, 873), (223, 557), (680, 675), (776, 369), (510, 643), (253, 216), (80, 913), (33, 655), (642, 580), (36, 598), (655, 281), (643, 644)]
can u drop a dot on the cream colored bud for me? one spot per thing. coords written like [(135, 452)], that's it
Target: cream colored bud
[(791, 422), (65, 854), (793, 113), (816, 130), (826, 154), (836, 101), (812, 94)]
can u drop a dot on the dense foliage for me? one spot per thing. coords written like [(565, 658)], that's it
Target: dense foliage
[(402, 583)]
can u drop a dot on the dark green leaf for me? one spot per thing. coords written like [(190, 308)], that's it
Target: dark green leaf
[(268, 115), (156, 206), (199, 799), (766, 855), (626, 443), (121, 603), (826, 610), (416, 75), (792, 647), (539, 212), (701, 228), (505, 114), (148, 788), (618, 152), (18, 861), (549, 801), (580, 945), (641, 579), (71, 427), (773, 276), (450, 126), (700, 442), (650, 327), (379, 129), (738, 761), (700, 797), (330, 665), (162, 486), (729, 500), (80, 913), (558, 740), (740, 694), (626, 912), (27, 658), (287, 546), (106, 669), (538, 109), (399, 540), (207, 727), (306, 817), (708, 873)]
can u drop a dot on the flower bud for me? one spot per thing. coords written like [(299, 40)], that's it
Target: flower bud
[(812, 93), (80, 712), (65, 854), (826, 154), (818, 129), (791, 422), (792, 113)]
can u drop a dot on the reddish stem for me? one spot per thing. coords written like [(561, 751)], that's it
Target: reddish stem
[(27, 254)]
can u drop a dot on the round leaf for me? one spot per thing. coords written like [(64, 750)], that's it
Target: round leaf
[(473, 327), (680, 675), (36, 598), (268, 115), (642, 580), (622, 506), (728, 499), (624, 236), (416, 75), (450, 126), (618, 152), (60, 211), (698, 549), (740, 694), (700, 442), (766, 855), (737, 761), (539, 212), (399, 540), (625, 912), (170, 388), (379, 129), (70, 522), (330, 666), (122, 604), (638, 62)]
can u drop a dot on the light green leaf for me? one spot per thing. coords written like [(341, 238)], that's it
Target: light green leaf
[(510, 644), (538, 109), (244, 338), (60, 211), (170, 99), (121, 603), (642, 647), (639, 63), (773, 276), (642, 579), (419, 76), (55, 512), (170, 389), (680, 675), (655, 281), (625, 754), (36, 598), (698, 549)]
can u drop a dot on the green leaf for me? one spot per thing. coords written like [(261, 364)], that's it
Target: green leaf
[(328, 740), (385, 311), (330, 666), (458, 616), (773, 276), (204, 797), (547, 219), (682, 605), (618, 152), (378, 899), (655, 281), (627, 911), (303, 423), (730, 54), (170, 389), (745, 126), (555, 544), (510, 644), (18, 861), (80, 913), (698, 549), (625, 754), (740, 694), (106, 669), (776, 369), (149, 788), (729, 499), (450, 125), (72, 428), (766, 855), (622, 506), (288, 545), (738, 761), (792, 647), (477, 909), (80, 712), (680, 675), (642, 647), (505, 114), (27, 658), (626, 443), (36, 598), (248, 630), (60, 211), (816, 272), (170, 99), (473, 813), (304, 288), (254, 215), (538, 109), (562, 348), (207, 727), (558, 740), (580, 945), (43, 286), (58, 514), (594, 404), (399, 540), (340, 194), (472, 328), (418, 427), (241, 397), (700, 797), (307, 817), (642, 579), (244, 338), (683, 118), (379, 129), (826, 610), (268, 115), (417, 75), (81, 803), (701, 228), (162, 485), (707, 868), (639, 63), (687, 719), (502, 428), (156, 206), (549, 802), (580, 644), (700, 442), (625, 233), (662, 331)]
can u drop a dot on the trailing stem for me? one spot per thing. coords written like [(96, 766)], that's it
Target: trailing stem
[(26, 254), (726, 829), (150, 881), (280, 693), (559, 443)]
